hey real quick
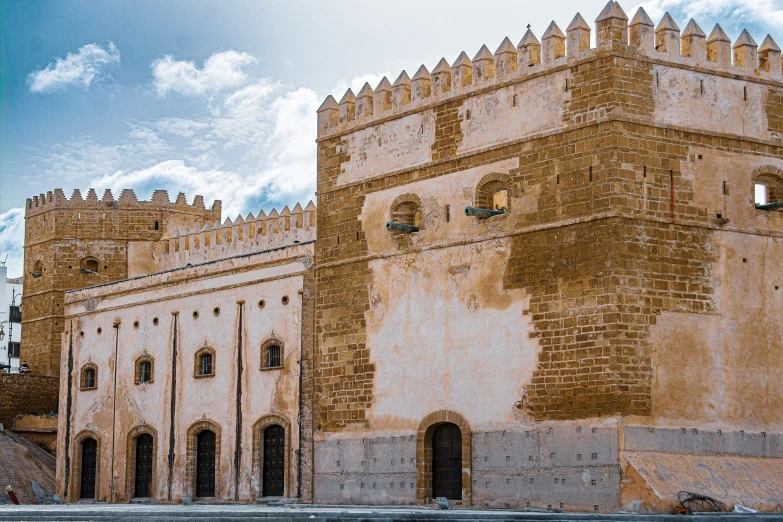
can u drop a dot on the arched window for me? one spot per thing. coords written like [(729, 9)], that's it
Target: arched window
[(89, 265), (144, 369), (406, 210), (768, 187), (204, 362), (272, 353), (37, 269), (89, 377), (493, 192)]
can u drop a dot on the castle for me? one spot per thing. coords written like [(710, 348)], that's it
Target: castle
[(543, 277)]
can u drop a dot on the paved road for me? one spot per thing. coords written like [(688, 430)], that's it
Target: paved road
[(233, 512)]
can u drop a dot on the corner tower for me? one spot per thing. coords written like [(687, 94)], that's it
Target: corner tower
[(89, 241)]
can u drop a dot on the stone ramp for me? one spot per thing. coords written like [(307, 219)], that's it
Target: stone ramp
[(27, 468), (214, 513), (656, 478)]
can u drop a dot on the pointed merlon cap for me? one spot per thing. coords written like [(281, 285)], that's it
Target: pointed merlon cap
[(505, 47), (422, 74), (310, 206), (274, 213), (181, 200), (402, 79), (769, 45), (717, 35), (577, 23), (239, 220), (297, 209), (250, 217), (366, 91), (553, 31), (107, 195), (160, 196), (612, 10), (261, 215), (127, 195), (93, 196), (443, 66), (462, 60), (667, 24), (483, 54), (328, 103), (641, 18), (348, 97), (529, 39), (77, 194), (384, 85), (745, 39), (286, 211), (693, 29), (198, 202)]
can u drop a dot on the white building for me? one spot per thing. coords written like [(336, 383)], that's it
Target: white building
[(10, 319)]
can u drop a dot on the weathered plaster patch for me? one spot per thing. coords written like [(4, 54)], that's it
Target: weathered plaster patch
[(396, 144), (713, 103), (495, 117), (726, 370)]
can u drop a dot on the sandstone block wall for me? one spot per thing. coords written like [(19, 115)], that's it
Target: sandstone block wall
[(23, 394)]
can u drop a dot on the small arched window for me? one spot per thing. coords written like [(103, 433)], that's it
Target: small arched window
[(37, 269), (145, 369), (89, 265), (205, 362), (272, 351), (406, 210), (89, 377), (768, 188), (157, 226), (492, 192)]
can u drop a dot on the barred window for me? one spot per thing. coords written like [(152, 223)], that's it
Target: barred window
[(145, 372), (205, 364), (89, 377), (273, 356)]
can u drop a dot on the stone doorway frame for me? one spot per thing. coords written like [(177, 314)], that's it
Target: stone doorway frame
[(424, 455)]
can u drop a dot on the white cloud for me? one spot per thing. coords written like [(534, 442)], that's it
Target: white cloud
[(12, 240), (223, 70), (730, 14), (80, 68), (252, 146)]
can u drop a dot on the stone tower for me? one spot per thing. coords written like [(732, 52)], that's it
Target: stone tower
[(82, 242)]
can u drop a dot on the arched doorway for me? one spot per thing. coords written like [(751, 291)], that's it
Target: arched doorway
[(88, 468), (273, 464), (143, 479), (447, 462), (205, 464)]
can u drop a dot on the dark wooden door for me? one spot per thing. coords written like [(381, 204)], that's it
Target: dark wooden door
[(447, 462), (274, 461), (143, 483), (89, 463), (205, 464)]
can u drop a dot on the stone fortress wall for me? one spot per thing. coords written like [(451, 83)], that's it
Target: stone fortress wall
[(62, 234), (619, 321), (632, 285)]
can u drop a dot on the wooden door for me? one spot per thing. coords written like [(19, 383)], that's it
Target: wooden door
[(447, 462), (274, 461)]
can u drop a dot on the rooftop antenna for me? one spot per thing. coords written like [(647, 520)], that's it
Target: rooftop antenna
[(4, 261)]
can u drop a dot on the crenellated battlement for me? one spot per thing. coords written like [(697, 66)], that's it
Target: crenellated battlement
[(246, 235), (663, 42), (56, 199)]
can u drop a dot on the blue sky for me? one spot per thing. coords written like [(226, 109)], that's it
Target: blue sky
[(218, 97)]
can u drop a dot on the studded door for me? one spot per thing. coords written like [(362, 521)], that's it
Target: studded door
[(447, 462), (205, 464), (143, 481), (89, 463), (274, 461)]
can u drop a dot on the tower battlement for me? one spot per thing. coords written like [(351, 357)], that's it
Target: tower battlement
[(56, 199), (531, 57), (191, 245)]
